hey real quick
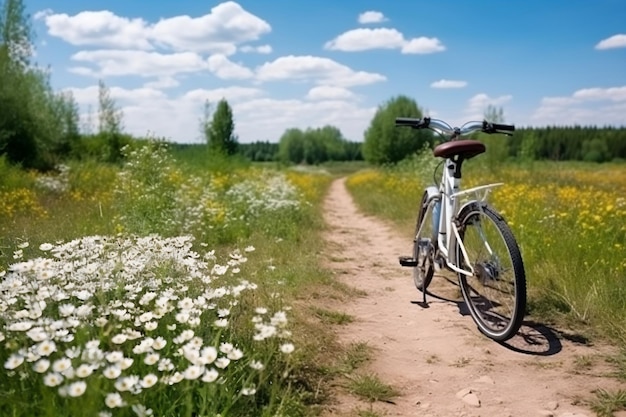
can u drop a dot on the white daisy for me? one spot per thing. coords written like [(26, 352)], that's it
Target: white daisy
[(41, 366), (287, 348), (149, 380), (52, 379), (112, 372), (77, 389), (210, 375), (113, 400), (14, 361), (193, 372)]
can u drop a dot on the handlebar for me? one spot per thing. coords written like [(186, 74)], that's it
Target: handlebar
[(466, 129)]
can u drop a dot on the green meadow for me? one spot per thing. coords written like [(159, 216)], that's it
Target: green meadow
[(177, 285)]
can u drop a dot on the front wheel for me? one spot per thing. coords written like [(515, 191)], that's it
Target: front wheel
[(496, 292)]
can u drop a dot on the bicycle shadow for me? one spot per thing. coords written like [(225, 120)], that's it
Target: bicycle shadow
[(533, 338)]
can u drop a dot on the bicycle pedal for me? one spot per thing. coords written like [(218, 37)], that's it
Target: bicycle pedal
[(408, 261)]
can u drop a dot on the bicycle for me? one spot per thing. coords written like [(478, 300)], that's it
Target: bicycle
[(471, 238)]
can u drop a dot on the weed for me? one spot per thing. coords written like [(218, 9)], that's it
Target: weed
[(606, 403), (370, 388), (355, 355), (333, 317)]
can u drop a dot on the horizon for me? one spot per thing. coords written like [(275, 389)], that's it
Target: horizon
[(304, 65)]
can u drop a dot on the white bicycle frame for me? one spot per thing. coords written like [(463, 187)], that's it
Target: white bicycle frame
[(449, 194)]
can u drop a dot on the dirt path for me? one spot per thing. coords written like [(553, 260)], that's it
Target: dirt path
[(433, 354)]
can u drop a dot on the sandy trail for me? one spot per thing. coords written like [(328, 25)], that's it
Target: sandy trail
[(434, 354)]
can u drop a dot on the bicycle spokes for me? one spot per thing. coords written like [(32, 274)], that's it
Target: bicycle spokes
[(491, 292)]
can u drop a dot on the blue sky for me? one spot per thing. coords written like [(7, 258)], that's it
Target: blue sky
[(283, 63)]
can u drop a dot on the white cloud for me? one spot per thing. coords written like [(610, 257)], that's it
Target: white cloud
[(371, 16), (316, 69), (423, 45), (611, 93), (165, 66), (588, 106), (227, 25), (477, 105), (89, 95), (233, 93), (142, 63), (224, 68), (267, 119), (162, 82), (363, 39), (42, 14), (101, 28), (256, 117), (443, 83), (615, 41), (327, 92), (220, 31), (262, 49)]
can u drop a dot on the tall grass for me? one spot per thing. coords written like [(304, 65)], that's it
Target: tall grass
[(157, 288), (569, 219)]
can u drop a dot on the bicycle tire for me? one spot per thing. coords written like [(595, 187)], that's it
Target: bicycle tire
[(424, 244), (498, 271)]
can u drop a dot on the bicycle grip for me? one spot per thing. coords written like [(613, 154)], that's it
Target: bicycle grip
[(408, 121), (506, 128)]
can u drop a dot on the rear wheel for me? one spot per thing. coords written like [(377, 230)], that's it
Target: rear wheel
[(424, 244), (496, 292)]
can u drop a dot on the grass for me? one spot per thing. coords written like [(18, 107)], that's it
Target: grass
[(606, 403), (332, 317), (369, 387), (354, 356)]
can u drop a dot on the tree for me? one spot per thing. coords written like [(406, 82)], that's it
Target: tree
[(15, 32), (219, 133), (291, 146), (109, 123), (109, 115), (386, 143), (17, 125), (497, 145)]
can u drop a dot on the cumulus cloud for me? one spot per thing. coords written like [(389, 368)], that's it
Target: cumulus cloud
[(443, 83), (316, 69), (100, 28), (611, 94), (224, 68), (327, 92), (258, 117), (268, 118), (220, 31), (423, 45), (587, 106), (146, 64), (478, 103), (262, 49), (615, 41), (363, 39), (371, 16), (162, 83)]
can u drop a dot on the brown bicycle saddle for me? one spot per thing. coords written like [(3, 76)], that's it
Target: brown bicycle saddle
[(467, 148)]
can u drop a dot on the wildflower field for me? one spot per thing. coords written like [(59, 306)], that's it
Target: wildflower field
[(569, 220), (153, 288)]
